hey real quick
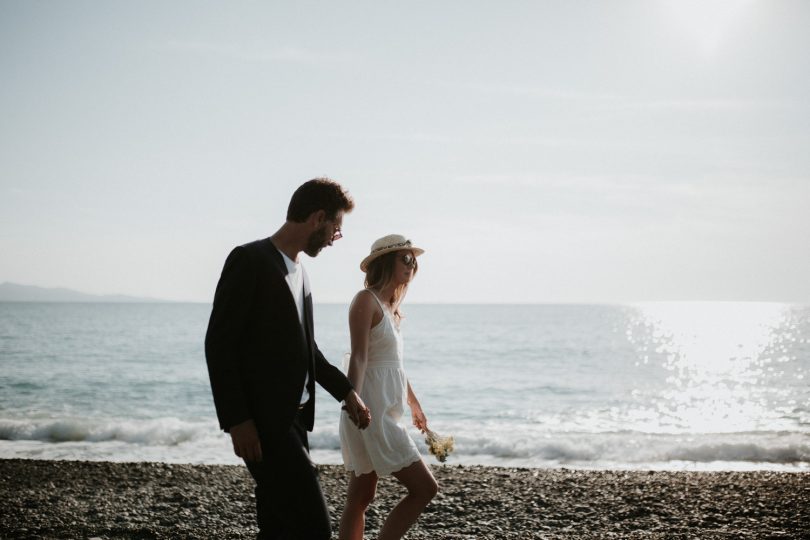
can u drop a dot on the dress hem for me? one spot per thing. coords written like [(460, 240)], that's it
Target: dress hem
[(392, 471)]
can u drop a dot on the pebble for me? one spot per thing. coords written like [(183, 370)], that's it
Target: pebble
[(156, 500)]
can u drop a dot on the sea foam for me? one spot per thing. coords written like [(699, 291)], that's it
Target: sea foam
[(156, 431)]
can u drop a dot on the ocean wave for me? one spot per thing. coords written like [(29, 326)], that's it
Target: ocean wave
[(790, 453), (160, 431), (620, 448), (628, 447), (631, 449)]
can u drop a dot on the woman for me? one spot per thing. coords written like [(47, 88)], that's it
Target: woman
[(375, 371)]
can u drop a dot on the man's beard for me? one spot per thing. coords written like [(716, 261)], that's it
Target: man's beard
[(317, 241)]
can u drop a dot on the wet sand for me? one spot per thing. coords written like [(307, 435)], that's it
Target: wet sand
[(69, 499)]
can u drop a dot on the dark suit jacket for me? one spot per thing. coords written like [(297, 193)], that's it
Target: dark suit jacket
[(258, 354)]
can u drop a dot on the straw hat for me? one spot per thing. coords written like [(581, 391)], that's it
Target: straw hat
[(387, 244)]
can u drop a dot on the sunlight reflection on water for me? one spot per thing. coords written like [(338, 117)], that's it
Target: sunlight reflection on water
[(721, 361)]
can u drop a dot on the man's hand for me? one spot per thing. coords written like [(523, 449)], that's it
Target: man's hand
[(245, 440), (358, 412)]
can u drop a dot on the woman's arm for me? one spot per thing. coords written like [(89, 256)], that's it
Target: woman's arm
[(361, 319), (419, 418)]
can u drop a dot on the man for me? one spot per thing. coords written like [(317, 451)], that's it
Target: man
[(263, 362)]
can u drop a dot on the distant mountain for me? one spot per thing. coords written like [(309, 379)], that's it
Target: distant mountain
[(13, 292)]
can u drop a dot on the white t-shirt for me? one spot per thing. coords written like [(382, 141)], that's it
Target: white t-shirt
[(295, 280)]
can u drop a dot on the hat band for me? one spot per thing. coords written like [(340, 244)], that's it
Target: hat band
[(406, 243)]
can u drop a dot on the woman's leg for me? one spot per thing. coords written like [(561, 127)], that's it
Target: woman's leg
[(422, 487), (360, 494)]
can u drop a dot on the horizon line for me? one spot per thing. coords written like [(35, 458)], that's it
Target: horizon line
[(440, 303)]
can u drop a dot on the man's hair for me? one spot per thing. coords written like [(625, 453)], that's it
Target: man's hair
[(319, 194)]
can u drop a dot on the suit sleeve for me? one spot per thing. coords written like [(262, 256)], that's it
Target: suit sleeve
[(232, 303), (331, 378)]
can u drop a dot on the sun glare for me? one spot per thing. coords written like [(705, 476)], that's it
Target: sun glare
[(715, 355), (706, 23)]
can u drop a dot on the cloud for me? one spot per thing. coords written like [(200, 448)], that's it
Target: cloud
[(258, 52), (625, 102), (726, 198), (528, 90), (420, 137), (699, 105)]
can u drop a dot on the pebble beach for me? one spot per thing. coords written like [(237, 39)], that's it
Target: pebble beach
[(74, 499)]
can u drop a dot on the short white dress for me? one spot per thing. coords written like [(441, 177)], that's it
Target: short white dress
[(384, 446)]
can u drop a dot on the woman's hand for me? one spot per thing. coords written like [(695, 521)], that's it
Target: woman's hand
[(358, 412), (419, 418)]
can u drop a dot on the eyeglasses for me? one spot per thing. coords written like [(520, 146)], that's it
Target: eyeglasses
[(337, 234), (408, 260)]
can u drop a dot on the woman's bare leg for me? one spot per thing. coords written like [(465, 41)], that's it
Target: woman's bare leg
[(360, 494), (422, 487)]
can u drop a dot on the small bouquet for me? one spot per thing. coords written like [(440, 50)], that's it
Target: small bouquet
[(438, 446)]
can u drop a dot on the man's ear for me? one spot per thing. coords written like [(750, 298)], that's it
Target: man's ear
[(317, 217)]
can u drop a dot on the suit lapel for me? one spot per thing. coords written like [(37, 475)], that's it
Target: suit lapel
[(278, 263), (309, 323), (277, 258)]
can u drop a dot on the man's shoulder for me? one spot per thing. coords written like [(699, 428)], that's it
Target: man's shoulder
[(257, 245), (263, 254), (258, 250)]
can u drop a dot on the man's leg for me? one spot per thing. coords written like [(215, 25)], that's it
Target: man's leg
[(289, 501), (270, 526)]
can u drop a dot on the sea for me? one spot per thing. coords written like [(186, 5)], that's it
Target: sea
[(654, 386)]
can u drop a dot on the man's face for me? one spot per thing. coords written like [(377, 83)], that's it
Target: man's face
[(325, 235)]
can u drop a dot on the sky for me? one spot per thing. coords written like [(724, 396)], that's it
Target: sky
[(543, 152)]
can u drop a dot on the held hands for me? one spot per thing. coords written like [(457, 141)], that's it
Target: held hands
[(245, 440), (357, 410)]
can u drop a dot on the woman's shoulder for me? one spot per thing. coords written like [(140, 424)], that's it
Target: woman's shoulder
[(364, 298), (365, 304)]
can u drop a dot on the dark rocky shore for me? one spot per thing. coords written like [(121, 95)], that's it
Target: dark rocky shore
[(63, 499)]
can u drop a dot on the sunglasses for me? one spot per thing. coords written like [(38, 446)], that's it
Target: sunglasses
[(408, 260)]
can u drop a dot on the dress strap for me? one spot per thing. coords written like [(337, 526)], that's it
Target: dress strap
[(386, 313), (379, 302)]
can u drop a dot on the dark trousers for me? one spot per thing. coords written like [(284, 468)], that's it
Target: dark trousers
[(289, 501)]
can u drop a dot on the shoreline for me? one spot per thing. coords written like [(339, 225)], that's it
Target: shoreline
[(83, 499)]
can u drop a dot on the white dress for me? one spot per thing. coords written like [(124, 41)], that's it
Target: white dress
[(384, 446)]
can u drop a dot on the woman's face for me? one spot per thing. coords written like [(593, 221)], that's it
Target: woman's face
[(405, 267)]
